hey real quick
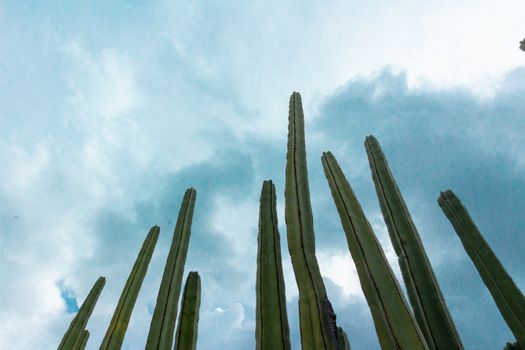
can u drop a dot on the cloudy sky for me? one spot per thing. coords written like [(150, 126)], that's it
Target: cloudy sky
[(110, 110)]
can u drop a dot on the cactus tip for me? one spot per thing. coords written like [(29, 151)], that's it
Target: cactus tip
[(446, 195), (370, 139)]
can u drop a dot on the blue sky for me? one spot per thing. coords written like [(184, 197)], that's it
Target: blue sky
[(109, 111)]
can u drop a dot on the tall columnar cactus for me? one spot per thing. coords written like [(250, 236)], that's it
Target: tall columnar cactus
[(395, 325), (186, 337), (506, 294), (77, 326), (271, 326), (344, 344), (81, 342), (423, 290), (164, 317), (119, 323), (318, 327)]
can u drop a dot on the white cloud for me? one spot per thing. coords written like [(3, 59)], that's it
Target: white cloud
[(22, 166), (236, 220), (103, 86), (340, 269)]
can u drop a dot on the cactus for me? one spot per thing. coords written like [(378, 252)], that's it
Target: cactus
[(80, 321), (271, 326), (119, 322), (506, 294), (186, 337), (81, 342), (425, 296), (163, 322), (395, 325), (317, 318), (344, 344)]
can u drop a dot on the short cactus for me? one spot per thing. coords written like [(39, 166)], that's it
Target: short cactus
[(508, 297), (395, 326), (163, 322), (317, 318), (425, 296), (271, 324), (119, 323), (77, 326), (186, 337)]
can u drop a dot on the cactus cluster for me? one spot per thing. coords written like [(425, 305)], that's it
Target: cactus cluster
[(395, 325), (423, 290), (423, 322), (163, 321)]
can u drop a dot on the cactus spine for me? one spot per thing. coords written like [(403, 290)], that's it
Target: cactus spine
[(186, 337), (317, 319), (77, 326), (119, 323), (271, 325), (506, 294), (344, 344), (395, 325), (81, 342), (163, 322), (425, 296)]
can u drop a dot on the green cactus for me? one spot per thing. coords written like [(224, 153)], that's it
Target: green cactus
[(163, 322), (186, 337), (80, 320), (395, 325), (317, 318), (506, 294), (119, 323), (344, 344), (81, 342), (271, 325), (425, 296)]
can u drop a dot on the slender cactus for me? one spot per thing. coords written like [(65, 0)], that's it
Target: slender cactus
[(80, 320), (186, 337), (395, 325), (119, 323), (506, 294), (317, 318), (425, 296), (163, 322), (81, 342), (271, 326), (344, 344)]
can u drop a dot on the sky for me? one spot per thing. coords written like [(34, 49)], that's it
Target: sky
[(110, 110)]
